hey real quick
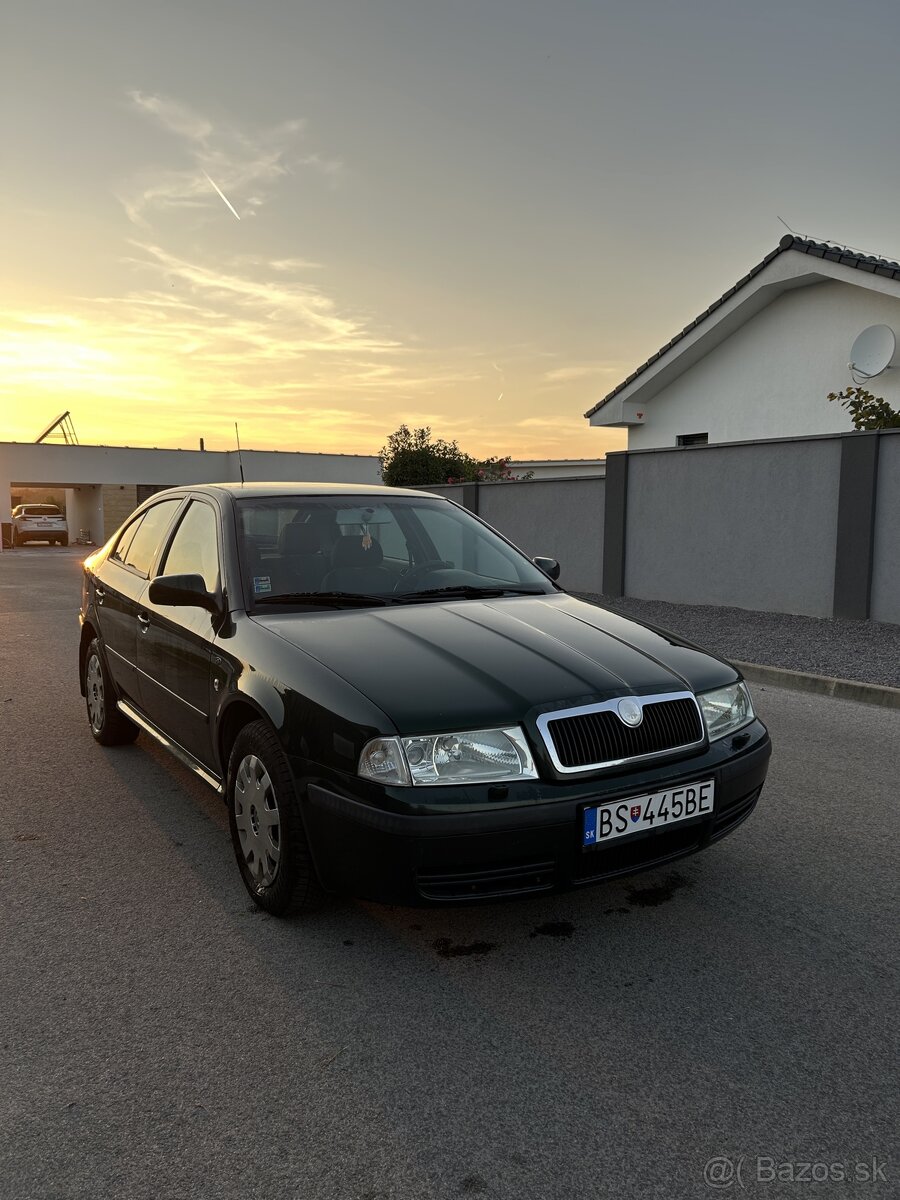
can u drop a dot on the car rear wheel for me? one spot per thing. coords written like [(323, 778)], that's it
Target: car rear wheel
[(266, 827), (64, 540), (108, 726)]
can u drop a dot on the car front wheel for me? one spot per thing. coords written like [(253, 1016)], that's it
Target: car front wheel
[(108, 726), (266, 827)]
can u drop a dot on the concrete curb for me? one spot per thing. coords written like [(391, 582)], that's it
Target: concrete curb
[(821, 685)]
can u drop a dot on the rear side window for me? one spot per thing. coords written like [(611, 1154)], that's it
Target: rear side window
[(41, 510), (148, 536), (194, 549)]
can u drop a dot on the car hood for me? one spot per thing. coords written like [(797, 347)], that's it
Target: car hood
[(467, 664)]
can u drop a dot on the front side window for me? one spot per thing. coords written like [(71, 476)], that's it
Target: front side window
[(194, 549), (125, 540), (148, 536)]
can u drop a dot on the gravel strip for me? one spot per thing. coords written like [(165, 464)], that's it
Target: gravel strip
[(868, 651)]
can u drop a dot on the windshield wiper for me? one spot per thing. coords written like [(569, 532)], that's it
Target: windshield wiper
[(466, 591), (331, 599)]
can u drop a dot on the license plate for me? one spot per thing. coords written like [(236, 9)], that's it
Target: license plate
[(605, 822)]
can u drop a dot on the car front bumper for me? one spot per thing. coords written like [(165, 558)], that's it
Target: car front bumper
[(456, 857)]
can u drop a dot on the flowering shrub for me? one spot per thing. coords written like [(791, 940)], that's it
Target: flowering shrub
[(412, 459)]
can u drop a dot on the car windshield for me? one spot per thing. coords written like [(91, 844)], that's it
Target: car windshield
[(304, 551)]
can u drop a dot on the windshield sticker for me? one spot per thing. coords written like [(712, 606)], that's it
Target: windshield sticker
[(262, 584)]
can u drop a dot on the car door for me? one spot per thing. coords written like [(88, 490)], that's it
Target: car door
[(175, 644), (118, 585)]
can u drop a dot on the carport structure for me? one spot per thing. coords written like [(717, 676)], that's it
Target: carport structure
[(104, 484)]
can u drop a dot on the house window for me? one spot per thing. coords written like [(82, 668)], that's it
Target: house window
[(692, 439)]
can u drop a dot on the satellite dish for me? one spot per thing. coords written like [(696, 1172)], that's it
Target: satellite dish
[(873, 351)]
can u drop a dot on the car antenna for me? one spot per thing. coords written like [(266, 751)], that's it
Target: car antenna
[(240, 459)]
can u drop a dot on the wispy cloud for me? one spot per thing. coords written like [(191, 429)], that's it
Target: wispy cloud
[(176, 117), (289, 317), (245, 163)]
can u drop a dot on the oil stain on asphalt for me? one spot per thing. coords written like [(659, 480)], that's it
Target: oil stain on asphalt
[(554, 929), (447, 949), (652, 897)]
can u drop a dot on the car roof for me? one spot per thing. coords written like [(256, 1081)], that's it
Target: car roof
[(258, 491)]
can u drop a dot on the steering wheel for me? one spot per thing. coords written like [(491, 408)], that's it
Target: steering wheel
[(414, 574)]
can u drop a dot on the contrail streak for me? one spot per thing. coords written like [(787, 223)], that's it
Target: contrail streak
[(224, 197)]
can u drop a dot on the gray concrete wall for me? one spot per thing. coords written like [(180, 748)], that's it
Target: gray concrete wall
[(774, 526), (886, 567), (751, 525), (557, 518)]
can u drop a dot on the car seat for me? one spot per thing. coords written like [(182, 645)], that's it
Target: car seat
[(305, 565), (354, 568)]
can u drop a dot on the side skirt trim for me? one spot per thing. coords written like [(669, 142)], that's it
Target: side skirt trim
[(184, 756)]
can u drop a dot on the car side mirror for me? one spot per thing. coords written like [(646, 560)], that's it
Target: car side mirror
[(549, 566), (183, 591)]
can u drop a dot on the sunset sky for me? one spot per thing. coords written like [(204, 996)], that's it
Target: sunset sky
[(478, 215)]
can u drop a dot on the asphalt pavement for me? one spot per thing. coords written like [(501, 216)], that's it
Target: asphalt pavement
[(728, 1024)]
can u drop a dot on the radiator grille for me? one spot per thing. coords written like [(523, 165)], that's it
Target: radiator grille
[(596, 737)]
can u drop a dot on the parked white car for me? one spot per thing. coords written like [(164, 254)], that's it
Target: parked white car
[(39, 523)]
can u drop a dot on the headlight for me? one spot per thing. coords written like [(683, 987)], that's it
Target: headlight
[(477, 756), (726, 709)]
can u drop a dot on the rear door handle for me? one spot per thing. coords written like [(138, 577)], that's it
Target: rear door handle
[(100, 594), (144, 619)]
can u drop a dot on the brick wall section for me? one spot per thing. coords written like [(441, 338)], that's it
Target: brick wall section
[(118, 503)]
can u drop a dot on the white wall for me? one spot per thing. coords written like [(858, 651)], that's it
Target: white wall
[(67, 466), (84, 510), (771, 377)]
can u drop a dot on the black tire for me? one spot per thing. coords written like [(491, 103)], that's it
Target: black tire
[(15, 538), (108, 726), (266, 826), (64, 540)]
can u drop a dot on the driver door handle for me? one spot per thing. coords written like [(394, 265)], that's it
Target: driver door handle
[(144, 619)]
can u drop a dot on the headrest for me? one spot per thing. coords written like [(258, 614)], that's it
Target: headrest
[(322, 520), (349, 551), (298, 539)]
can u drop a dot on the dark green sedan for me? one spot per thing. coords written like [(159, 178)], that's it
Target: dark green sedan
[(397, 703)]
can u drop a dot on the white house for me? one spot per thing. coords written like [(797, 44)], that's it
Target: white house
[(761, 360)]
